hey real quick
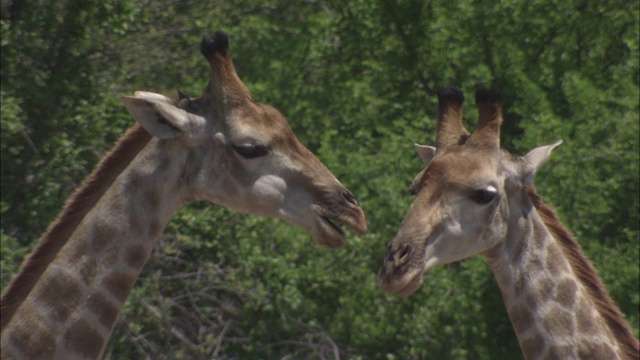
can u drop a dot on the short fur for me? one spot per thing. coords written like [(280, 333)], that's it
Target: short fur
[(75, 210), (587, 275)]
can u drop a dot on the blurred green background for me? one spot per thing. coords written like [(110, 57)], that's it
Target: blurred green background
[(356, 79)]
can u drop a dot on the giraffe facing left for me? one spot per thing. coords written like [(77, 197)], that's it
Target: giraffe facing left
[(223, 147), (475, 198)]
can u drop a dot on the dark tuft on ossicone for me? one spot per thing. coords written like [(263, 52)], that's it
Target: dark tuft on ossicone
[(489, 96), (451, 93), (217, 43)]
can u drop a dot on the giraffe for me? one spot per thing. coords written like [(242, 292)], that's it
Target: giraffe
[(223, 147), (472, 197)]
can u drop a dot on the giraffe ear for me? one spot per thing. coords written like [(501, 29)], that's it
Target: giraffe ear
[(425, 152), (536, 157), (161, 118)]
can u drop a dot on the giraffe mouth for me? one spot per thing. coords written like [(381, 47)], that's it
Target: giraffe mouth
[(404, 286), (411, 286), (328, 233), (332, 224), (329, 221)]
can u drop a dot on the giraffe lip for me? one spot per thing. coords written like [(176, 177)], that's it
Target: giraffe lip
[(328, 225), (328, 234), (333, 225), (410, 287), (401, 287)]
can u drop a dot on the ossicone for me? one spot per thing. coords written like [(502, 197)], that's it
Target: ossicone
[(217, 43), (488, 96)]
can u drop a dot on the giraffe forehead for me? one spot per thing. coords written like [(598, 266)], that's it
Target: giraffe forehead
[(245, 118), (261, 123), (463, 168)]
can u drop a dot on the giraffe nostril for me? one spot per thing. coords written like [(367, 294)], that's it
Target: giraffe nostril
[(350, 198), (403, 255)]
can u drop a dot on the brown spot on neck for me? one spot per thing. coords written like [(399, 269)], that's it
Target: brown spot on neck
[(119, 284), (60, 293), (521, 318), (106, 311), (82, 339), (595, 350), (102, 234), (566, 293), (31, 339), (135, 256), (558, 352), (533, 347)]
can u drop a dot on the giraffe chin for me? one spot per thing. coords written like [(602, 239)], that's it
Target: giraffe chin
[(403, 287)]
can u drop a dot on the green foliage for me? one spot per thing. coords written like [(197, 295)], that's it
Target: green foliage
[(356, 80)]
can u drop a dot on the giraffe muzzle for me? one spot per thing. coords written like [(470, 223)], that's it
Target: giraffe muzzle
[(397, 275)]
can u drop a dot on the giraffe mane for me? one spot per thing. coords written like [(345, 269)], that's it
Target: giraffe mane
[(78, 205), (587, 275)]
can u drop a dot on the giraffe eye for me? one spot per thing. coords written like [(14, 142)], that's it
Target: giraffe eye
[(250, 151), (484, 196)]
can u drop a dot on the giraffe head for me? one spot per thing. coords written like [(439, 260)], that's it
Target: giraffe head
[(462, 194), (243, 155)]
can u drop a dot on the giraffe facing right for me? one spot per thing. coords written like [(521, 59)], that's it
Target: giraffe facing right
[(223, 147), (475, 198)]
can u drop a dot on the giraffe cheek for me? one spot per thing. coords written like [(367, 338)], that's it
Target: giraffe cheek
[(269, 190), (495, 228)]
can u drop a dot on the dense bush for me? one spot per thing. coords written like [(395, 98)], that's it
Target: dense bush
[(356, 80)]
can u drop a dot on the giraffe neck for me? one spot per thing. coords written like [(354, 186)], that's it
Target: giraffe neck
[(552, 311), (73, 306)]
